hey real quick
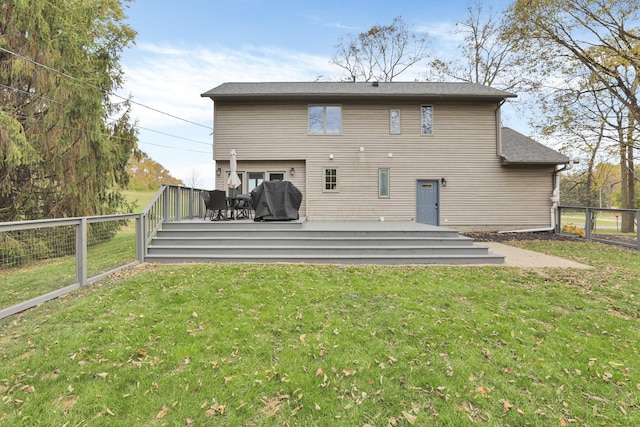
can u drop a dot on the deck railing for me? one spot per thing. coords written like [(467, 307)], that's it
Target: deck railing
[(45, 259), (171, 203), (606, 225)]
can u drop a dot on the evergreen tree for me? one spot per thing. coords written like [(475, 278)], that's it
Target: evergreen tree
[(64, 140)]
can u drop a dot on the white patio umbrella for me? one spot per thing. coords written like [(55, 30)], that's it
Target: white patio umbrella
[(234, 179)]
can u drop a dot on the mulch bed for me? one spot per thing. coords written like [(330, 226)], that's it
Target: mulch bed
[(510, 237), (545, 235)]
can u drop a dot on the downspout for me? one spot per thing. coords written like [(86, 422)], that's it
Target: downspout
[(555, 199), (499, 128)]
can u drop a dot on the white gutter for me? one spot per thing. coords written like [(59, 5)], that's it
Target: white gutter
[(555, 198), (499, 128)]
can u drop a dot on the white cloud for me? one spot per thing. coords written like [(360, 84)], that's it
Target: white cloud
[(171, 79)]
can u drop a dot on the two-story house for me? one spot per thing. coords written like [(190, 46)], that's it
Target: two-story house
[(433, 153)]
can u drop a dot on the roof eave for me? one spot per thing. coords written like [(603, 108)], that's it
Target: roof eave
[(384, 96), (506, 162)]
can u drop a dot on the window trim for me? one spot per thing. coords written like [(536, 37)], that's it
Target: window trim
[(430, 106), (283, 173), (324, 180), (391, 130), (249, 173), (324, 120), (380, 180)]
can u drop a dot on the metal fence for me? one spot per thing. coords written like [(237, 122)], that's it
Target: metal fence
[(606, 225), (45, 259)]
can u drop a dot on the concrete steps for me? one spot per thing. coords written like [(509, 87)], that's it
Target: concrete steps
[(334, 243)]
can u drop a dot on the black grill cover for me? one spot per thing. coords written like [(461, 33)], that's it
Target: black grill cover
[(276, 201)]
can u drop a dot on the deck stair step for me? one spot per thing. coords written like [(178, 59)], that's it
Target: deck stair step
[(315, 242)]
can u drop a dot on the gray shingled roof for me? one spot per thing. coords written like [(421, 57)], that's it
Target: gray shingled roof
[(230, 91), (520, 149)]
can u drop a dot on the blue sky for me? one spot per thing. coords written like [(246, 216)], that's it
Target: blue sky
[(186, 48)]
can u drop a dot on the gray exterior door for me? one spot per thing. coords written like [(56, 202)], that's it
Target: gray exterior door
[(427, 198)]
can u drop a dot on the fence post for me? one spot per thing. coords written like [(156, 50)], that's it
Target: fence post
[(81, 252), (167, 203), (587, 230), (140, 238), (178, 205), (638, 230), (191, 204)]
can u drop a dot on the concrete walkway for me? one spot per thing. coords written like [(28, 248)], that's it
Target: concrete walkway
[(516, 257)]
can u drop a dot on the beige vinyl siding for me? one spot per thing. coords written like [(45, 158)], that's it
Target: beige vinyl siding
[(480, 193)]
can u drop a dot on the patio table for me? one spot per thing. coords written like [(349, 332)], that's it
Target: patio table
[(238, 203)]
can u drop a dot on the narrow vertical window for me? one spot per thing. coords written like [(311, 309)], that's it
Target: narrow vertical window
[(426, 115), (395, 125), (383, 183), (330, 179)]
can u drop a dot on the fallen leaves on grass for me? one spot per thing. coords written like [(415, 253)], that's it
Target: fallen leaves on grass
[(274, 404), (66, 403), (163, 412), (215, 409), (411, 419)]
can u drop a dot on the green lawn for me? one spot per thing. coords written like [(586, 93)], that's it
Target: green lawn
[(313, 345), (140, 198)]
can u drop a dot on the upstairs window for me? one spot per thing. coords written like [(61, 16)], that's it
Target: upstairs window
[(325, 119), (426, 115), (395, 122)]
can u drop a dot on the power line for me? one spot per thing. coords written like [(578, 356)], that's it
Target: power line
[(174, 148), (173, 136), (101, 89), (106, 134), (108, 118)]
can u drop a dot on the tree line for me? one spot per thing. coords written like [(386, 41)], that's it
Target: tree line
[(66, 141)]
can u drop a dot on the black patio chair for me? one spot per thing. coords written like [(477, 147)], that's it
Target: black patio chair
[(206, 198), (244, 208), (219, 205)]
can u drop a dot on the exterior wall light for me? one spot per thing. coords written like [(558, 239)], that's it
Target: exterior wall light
[(219, 171), (292, 171), (443, 181)]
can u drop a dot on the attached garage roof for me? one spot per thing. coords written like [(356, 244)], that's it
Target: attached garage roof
[(301, 90), (518, 149)]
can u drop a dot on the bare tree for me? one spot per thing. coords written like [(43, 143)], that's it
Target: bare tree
[(381, 53), (193, 179), (488, 54), (603, 37)]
